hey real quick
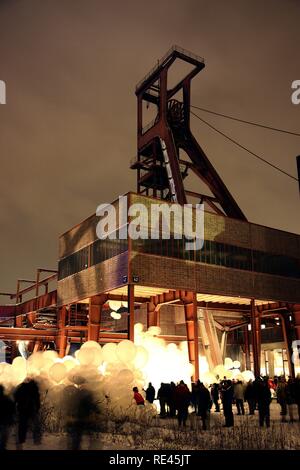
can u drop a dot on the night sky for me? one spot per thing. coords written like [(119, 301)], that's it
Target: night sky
[(68, 129)]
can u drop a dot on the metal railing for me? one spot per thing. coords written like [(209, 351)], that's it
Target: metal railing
[(165, 58)]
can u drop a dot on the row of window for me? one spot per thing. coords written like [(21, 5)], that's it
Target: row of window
[(221, 254), (212, 252), (93, 254)]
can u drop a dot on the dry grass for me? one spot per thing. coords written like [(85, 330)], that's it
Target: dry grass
[(154, 433)]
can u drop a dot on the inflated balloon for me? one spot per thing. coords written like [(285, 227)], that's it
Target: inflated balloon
[(220, 371), (172, 347), (236, 364), (114, 305), (141, 357), (50, 354), (91, 344), (109, 352), (57, 372), (248, 375), (98, 357), (86, 356), (208, 378), (125, 376), (154, 330), (19, 362), (126, 350), (138, 328), (228, 363)]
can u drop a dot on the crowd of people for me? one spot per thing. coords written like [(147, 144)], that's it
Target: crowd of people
[(175, 400), (22, 407)]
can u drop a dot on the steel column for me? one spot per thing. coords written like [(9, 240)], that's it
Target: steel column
[(131, 312), (95, 308), (62, 337), (152, 313), (191, 320), (255, 320), (247, 348)]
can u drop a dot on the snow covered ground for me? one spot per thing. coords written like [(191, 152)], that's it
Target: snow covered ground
[(164, 434)]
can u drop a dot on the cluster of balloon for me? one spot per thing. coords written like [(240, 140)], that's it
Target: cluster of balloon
[(110, 372), (230, 369), (166, 362)]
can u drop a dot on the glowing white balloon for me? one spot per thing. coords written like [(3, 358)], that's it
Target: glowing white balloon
[(86, 356), (228, 363), (154, 330), (114, 304), (109, 352), (208, 378), (236, 364), (125, 376), (141, 357), (50, 354), (126, 350), (138, 328), (220, 371), (248, 375), (57, 372), (91, 344)]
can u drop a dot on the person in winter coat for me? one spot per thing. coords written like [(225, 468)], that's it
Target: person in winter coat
[(204, 404), (7, 409), (291, 398), (215, 396), (264, 401), (162, 396), (138, 397), (250, 397), (227, 399), (171, 403), (238, 394), (281, 393), (150, 393), (182, 402)]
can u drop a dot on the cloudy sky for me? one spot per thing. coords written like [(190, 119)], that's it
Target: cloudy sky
[(68, 129)]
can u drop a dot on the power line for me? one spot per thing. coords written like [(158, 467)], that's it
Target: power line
[(284, 131), (243, 147)]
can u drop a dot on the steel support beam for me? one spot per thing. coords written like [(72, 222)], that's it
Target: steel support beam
[(62, 335), (247, 348), (191, 320), (95, 308), (131, 312), (255, 319), (152, 313)]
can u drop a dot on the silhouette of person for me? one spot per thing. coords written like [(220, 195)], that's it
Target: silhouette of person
[(264, 400), (215, 396), (162, 397), (150, 393), (204, 403), (227, 399), (182, 402), (27, 400), (79, 405), (7, 409)]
